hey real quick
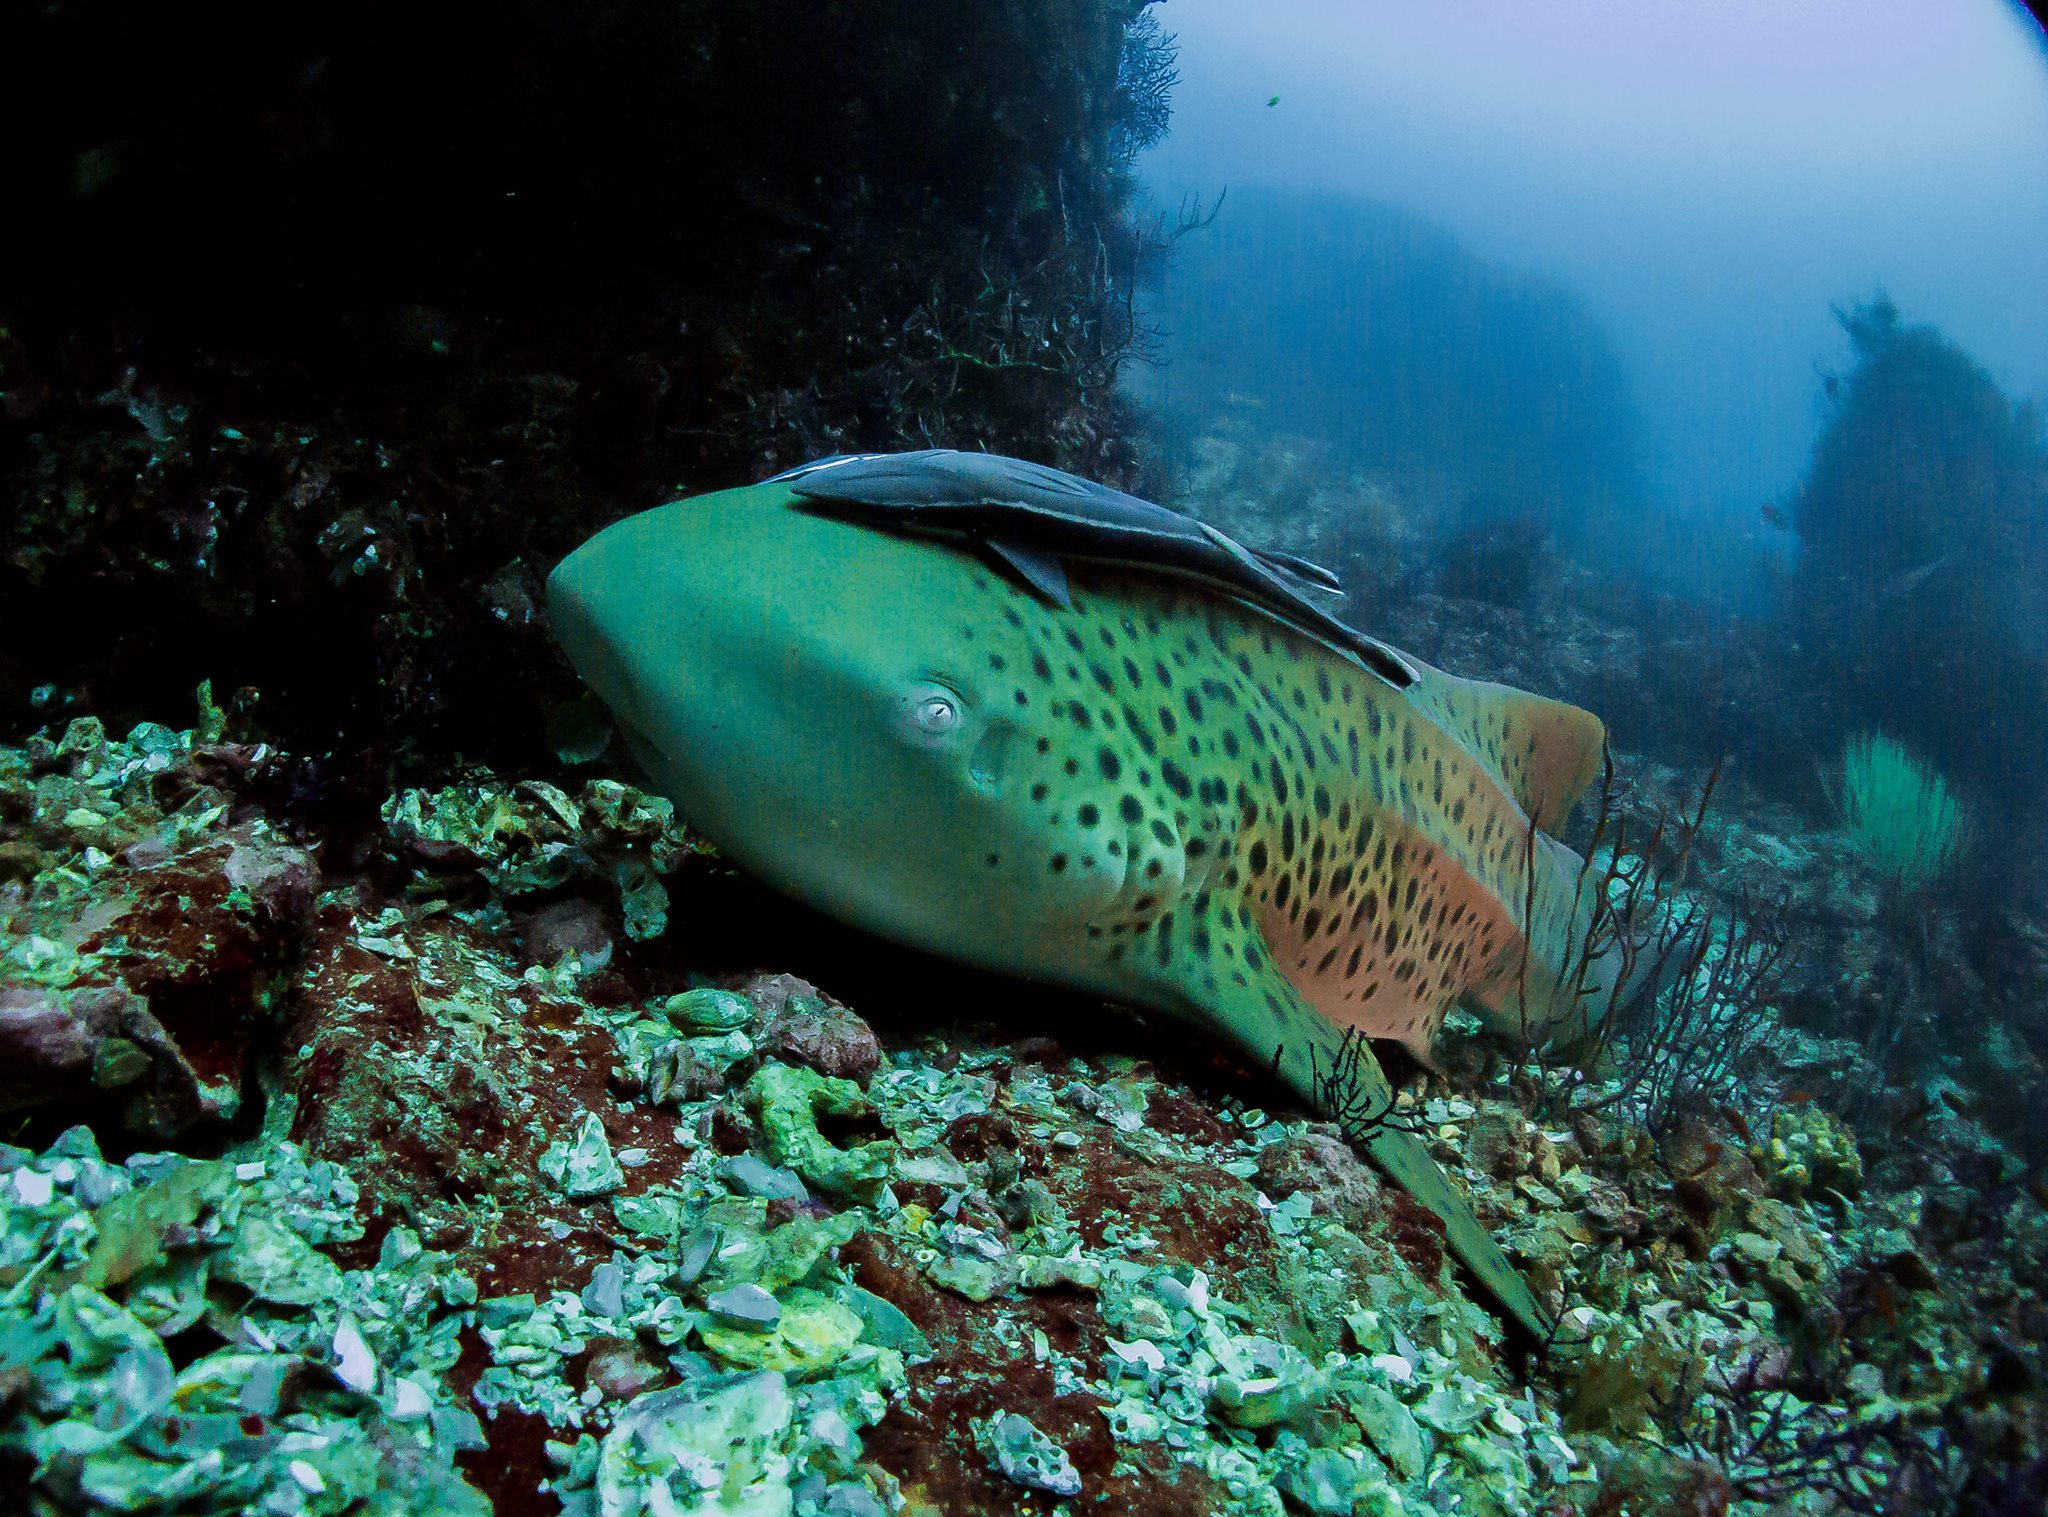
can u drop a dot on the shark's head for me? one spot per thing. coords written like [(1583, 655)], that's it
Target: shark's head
[(838, 709)]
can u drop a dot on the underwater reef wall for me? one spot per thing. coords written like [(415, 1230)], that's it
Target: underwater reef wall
[(339, 323), (1923, 525)]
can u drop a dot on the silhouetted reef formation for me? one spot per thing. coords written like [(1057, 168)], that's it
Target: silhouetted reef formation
[(332, 326)]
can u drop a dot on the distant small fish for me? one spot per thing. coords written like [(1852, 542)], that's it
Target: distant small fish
[(1710, 1156), (1774, 516), (1272, 102), (1740, 1123), (1797, 1097), (1913, 579)]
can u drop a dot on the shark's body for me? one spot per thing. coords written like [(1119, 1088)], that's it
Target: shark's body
[(1147, 787)]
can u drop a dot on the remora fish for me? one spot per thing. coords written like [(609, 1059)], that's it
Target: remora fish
[(1159, 777)]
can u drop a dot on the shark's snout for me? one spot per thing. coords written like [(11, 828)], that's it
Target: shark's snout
[(589, 611)]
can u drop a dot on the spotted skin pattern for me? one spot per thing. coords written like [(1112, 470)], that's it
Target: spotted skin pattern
[(1221, 767)]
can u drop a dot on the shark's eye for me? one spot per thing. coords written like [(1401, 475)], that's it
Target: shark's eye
[(936, 713)]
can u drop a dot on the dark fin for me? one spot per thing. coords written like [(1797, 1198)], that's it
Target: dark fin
[(942, 477), (821, 465), (1390, 664), (1304, 570), (983, 495), (1038, 569)]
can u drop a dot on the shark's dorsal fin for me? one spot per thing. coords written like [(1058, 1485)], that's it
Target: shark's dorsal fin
[(1037, 568), (1544, 752)]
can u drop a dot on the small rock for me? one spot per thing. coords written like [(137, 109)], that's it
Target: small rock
[(1323, 1483), (1037, 1272), (702, 1011), (1864, 1383), (1756, 1248), (1392, 1429), (1028, 1204), (680, 1072), (745, 1307), (353, 1363), (280, 880), (619, 1370), (564, 927), (829, 1039), (976, 1279), (1268, 1383), (883, 1322), (1610, 1213), (84, 746), (755, 1177), (1495, 1143), (605, 1295), (698, 1250), (1894, 1251), (849, 1500), (19, 860), (1030, 1459), (936, 1167), (584, 1166), (771, 992), (1319, 1162)]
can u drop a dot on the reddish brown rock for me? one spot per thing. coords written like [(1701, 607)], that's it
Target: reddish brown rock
[(830, 1039), (99, 1044), (1319, 1161)]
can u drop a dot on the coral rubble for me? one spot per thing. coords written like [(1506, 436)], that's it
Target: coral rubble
[(493, 1196)]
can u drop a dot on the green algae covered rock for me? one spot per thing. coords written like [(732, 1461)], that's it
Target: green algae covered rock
[(1810, 1148), (533, 836), (809, 1334), (790, 1099), (713, 1449), (708, 1011)]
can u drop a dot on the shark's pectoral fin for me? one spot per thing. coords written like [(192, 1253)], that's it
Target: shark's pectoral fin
[(1407, 1162), (1036, 567), (1225, 978)]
